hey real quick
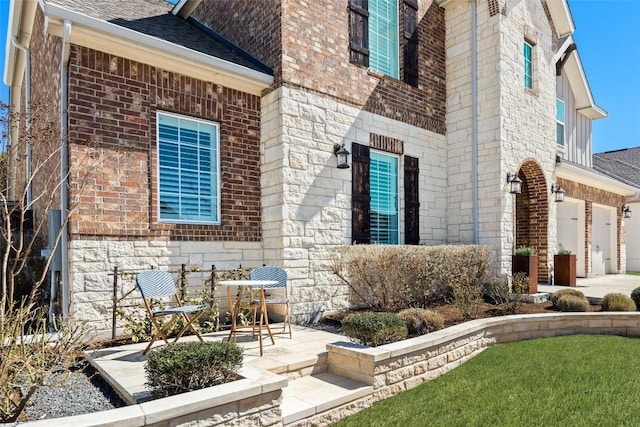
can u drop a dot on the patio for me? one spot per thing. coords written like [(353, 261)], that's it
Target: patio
[(301, 361), (299, 366)]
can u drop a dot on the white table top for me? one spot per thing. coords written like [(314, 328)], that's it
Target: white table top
[(247, 282)]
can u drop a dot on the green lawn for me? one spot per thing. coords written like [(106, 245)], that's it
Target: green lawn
[(580, 380), (633, 273)]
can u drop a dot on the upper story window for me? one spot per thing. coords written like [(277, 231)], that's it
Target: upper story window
[(384, 198), (560, 119), (188, 169), (374, 37), (528, 65)]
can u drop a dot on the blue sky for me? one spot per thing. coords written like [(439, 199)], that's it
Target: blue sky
[(608, 39)]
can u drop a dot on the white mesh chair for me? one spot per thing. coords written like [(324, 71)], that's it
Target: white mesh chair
[(279, 275), (160, 284)]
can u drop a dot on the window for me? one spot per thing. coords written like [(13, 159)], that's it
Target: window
[(384, 198), (188, 170), (375, 202), (560, 117), (528, 65), (374, 36)]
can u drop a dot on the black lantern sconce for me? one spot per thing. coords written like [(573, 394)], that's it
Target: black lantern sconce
[(515, 183), (558, 191), (626, 211), (343, 156)]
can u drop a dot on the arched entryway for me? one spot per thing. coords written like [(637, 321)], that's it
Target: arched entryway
[(532, 214)]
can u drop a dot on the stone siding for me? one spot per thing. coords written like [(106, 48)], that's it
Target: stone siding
[(307, 199), (92, 263), (515, 124)]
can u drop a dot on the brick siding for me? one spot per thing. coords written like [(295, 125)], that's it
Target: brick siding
[(314, 55), (112, 115)]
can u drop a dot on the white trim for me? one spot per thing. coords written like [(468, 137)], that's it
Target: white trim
[(585, 104), (594, 179), (218, 171), (117, 40), (561, 16)]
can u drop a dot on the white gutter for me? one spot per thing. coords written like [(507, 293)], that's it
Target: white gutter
[(89, 27), (594, 179), (474, 120), (64, 166), (27, 109)]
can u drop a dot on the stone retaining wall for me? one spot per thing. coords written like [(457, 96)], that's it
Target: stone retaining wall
[(396, 367)]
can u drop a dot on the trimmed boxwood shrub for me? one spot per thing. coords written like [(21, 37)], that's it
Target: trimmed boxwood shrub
[(564, 292), (617, 302), (181, 367), (572, 303), (374, 329), (421, 321), (635, 296)]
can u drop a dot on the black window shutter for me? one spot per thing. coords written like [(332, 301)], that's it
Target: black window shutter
[(411, 201), (359, 32), (360, 195), (410, 42)]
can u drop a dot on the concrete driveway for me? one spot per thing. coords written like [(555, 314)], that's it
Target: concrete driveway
[(597, 287)]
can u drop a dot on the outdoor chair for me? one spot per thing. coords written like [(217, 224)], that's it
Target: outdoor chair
[(279, 275), (160, 284)]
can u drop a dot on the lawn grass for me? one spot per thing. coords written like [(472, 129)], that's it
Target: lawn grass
[(633, 273), (579, 380)]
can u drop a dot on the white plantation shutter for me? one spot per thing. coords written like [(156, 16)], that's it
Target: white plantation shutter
[(384, 198), (188, 169), (383, 36)]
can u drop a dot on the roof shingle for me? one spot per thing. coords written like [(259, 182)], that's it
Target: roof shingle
[(154, 18)]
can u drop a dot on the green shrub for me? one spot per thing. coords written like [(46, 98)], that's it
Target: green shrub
[(525, 250), (564, 292), (394, 277), (617, 302), (635, 296), (421, 321), (374, 329), (181, 367), (572, 303)]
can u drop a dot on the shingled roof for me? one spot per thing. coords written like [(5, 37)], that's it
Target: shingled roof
[(154, 18), (623, 165)]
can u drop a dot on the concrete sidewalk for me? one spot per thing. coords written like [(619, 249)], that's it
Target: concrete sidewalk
[(598, 287)]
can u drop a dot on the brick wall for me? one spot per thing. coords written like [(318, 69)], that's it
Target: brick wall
[(314, 55), (45, 112), (112, 116)]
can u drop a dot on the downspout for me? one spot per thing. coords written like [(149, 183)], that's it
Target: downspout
[(64, 166), (474, 118), (27, 109)]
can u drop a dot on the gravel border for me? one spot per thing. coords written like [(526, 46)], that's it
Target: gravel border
[(80, 391)]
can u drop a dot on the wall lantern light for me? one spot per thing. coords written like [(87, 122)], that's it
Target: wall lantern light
[(515, 183), (559, 192), (343, 156), (626, 211)]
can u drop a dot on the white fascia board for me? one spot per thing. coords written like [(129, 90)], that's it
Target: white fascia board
[(594, 179), (120, 41), (580, 86), (185, 8), (561, 16)]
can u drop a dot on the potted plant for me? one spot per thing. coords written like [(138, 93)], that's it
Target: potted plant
[(564, 265), (525, 260)]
